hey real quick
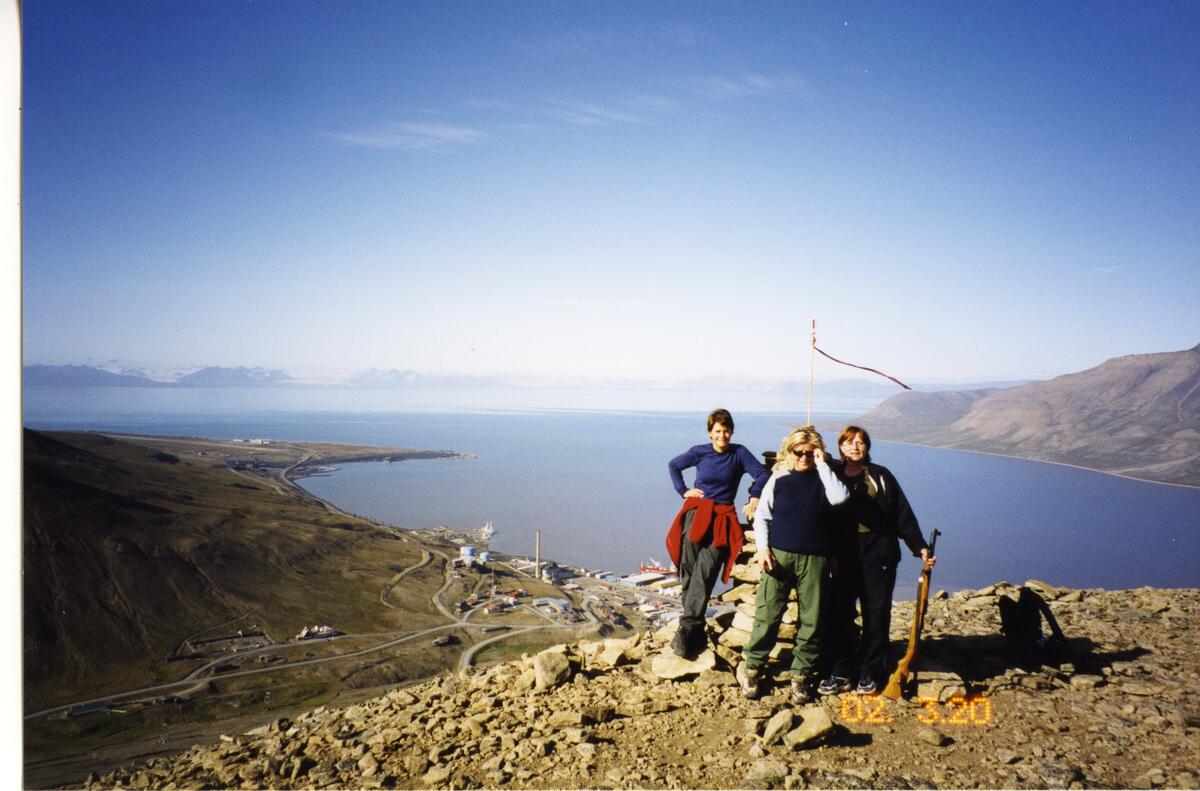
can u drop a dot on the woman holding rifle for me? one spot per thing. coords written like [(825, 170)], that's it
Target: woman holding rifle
[(873, 519)]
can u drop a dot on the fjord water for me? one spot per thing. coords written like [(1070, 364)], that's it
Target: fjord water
[(595, 483)]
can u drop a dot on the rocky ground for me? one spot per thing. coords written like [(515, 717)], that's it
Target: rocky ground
[(1123, 711)]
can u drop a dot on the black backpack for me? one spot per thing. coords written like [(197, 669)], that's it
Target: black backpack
[(1021, 625)]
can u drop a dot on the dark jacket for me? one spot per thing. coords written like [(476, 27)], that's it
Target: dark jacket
[(895, 516)]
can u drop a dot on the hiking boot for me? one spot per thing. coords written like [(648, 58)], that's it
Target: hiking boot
[(680, 645), (834, 685), (749, 679), (866, 686), (802, 690)]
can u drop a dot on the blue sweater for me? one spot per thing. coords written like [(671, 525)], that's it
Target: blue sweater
[(718, 474), (793, 514)]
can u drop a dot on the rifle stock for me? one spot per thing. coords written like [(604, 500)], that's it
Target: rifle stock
[(900, 675)]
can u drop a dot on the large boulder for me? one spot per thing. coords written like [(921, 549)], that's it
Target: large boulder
[(815, 725), (779, 724), (668, 666), (734, 637), (746, 572), (606, 654), (740, 593), (940, 685), (766, 772), (551, 668)]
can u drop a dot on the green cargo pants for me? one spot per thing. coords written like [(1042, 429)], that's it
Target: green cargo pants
[(805, 573)]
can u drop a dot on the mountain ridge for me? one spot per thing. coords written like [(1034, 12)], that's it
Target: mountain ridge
[(396, 378), (1137, 415)]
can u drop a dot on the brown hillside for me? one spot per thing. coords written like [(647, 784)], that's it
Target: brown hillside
[(1119, 710), (1137, 415), (128, 550)]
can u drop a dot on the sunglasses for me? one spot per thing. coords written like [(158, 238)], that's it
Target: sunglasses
[(801, 453)]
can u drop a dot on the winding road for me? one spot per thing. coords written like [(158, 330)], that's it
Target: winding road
[(202, 675)]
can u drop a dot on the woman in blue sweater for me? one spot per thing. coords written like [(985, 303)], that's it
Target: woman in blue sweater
[(706, 536)]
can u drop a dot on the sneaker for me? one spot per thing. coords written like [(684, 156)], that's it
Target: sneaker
[(748, 679), (866, 686), (802, 691), (834, 685)]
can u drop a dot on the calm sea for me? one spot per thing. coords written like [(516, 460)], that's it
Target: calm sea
[(595, 483)]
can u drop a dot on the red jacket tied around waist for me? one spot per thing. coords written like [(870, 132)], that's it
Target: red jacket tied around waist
[(720, 519)]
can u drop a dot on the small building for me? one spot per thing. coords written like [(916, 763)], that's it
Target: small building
[(552, 604), (83, 709), (555, 574), (643, 579)]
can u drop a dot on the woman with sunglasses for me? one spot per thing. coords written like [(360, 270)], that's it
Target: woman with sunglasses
[(795, 532), (872, 520)]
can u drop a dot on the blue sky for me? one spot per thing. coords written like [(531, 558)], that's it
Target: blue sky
[(954, 191)]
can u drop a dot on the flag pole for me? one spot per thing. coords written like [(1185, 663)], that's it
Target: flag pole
[(811, 353)]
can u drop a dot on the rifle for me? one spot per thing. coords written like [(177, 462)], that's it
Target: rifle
[(892, 690)]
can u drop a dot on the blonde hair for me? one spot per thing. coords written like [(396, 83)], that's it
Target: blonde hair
[(805, 435)]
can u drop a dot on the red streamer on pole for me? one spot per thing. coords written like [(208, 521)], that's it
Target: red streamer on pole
[(861, 367)]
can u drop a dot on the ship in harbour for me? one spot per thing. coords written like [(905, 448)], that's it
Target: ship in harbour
[(658, 568)]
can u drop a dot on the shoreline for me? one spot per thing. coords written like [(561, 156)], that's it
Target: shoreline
[(1194, 487), (323, 467), (391, 455)]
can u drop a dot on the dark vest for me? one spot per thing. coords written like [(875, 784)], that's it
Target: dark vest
[(799, 516)]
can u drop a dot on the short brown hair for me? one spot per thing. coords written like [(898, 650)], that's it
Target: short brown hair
[(849, 432), (721, 416)]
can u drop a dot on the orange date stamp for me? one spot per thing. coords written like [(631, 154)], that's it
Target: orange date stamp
[(975, 710)]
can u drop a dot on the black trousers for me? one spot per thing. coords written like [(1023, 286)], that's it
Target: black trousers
[(866, 577), (699, 566)]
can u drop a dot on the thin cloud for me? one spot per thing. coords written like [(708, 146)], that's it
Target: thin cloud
[(589, 114), (522, 127), (682, 33), (745, 86), (1105, 270), (571, 42), (656, 101), (596, 43), (484, 103), (404, 136)]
